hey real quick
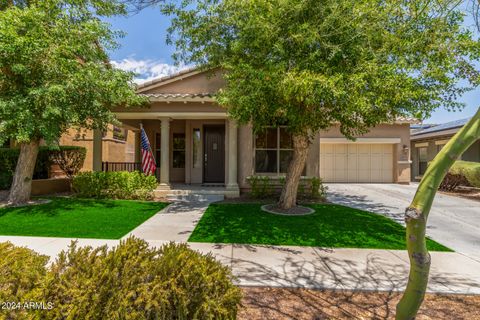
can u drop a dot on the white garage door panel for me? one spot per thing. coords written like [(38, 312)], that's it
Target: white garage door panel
[(356, 163)]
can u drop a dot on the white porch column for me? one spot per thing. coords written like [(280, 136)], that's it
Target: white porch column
[(97, 150), (165, 152), (232, 180)]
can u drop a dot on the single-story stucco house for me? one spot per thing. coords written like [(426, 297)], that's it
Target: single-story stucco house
[(426, 143), (195, 143)]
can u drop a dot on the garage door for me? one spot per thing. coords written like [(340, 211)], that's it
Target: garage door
[(356, 162)]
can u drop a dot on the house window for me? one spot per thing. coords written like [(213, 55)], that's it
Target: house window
[(196, 138), (422, 160), (119, 133), (273, 150), (179, 150), (440, 147), (158, 145)]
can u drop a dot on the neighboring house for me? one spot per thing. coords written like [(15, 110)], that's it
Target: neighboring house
[(194, 141), (425, 144), (416, 127), (118, 146)]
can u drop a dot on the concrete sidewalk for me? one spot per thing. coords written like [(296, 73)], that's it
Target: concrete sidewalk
[(288, 266), (308, 267)]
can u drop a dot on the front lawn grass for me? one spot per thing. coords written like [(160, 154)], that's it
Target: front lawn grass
[(331, 225), (77, 218)]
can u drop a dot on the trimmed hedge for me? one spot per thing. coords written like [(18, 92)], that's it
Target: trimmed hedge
[(462, 173), (114, 185), (130, 281), (9, 157)]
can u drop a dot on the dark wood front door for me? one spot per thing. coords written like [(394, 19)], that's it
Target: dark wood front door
[(214, 154)]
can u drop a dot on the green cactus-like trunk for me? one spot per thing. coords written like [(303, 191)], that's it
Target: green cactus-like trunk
[(416, 216)]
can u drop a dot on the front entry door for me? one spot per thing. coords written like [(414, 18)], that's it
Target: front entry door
[(214, 154)]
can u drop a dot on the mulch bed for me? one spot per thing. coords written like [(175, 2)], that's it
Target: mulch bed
[(294, 211), (465, 192), (302, 304)]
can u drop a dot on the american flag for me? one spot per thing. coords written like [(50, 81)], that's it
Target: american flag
[(148, 161)]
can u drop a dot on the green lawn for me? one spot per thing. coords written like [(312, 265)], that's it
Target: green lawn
[(77, 218), (330, 226)]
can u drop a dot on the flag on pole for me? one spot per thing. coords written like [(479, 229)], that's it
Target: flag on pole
[(148, 161)]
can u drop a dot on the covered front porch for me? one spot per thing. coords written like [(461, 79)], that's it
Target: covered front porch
[(193, 155)]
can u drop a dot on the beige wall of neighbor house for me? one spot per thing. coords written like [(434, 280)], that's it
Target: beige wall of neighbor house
[(424, 150)]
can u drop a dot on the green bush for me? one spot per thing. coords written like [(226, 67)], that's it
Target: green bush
[(130, 281), (22, 273), (69, 159), (310, 188), (115, 185), (8, 162), (462, 173)]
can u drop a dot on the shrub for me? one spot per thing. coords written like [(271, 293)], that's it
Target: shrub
[(22, 272), (309, 188), (260, 187), (134, 281), (114, 185), (8, 162), (69, 159), (462, 173), (317, 189)]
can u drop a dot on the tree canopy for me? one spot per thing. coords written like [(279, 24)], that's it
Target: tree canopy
[(54, 70), (55, 74), (314, 63)]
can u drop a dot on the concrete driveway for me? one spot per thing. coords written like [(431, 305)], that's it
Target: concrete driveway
[(453, 221)]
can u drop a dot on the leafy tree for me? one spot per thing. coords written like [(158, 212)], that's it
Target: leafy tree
[(54, 74), (313, 64)]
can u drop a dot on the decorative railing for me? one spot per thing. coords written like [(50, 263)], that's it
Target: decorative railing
[(126, 166), (121, 166)]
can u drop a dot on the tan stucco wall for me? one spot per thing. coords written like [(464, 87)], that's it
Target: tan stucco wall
[(198, 83), (49, 186), (401, 170), (112, 150)]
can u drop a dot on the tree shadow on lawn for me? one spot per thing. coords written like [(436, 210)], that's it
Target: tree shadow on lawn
[(330, 226), (362, 203), (349, 281)]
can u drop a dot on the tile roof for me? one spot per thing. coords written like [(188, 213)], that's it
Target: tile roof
[(179, 96), (445, 126)]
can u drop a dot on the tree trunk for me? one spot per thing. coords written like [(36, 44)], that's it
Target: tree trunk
[(22, 180), (288, 197), (416, 216)]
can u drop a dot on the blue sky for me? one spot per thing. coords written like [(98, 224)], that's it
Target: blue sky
[(144, 51)]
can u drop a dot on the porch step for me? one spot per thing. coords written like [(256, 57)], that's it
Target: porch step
[(196, 197), (196, 193)]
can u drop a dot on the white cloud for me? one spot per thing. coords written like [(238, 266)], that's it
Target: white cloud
[(147, 69)]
